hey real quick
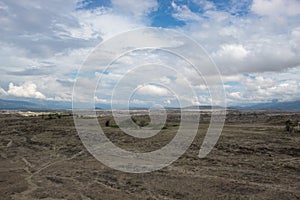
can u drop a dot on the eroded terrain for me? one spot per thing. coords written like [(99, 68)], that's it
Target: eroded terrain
[(42, 157)]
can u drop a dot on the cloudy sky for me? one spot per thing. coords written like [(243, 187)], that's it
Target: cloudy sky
[(254, 44)]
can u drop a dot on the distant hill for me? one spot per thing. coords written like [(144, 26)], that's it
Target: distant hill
[(38, 104), (204, 107), (35, 104), (16, 105), (284, 106)]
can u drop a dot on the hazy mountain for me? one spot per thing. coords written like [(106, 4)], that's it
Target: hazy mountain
[(204, 107), (16, 105), (34, 104), (288, 105), (37, 104)]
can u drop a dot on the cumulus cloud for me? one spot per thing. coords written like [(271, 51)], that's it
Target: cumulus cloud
[(100, 100), (135, 7), (28, 90), (46, 42), (276, 7), (262, 87), (49, 45), (31, 27), (250, 43), (152, 90), (235, 95), (235, 52)]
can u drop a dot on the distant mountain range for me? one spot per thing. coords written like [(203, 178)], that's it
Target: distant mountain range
[(288, 106), (34, 104), (16, 105), (204, 107)]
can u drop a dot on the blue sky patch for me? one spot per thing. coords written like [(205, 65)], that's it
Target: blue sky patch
[(162, 17), (249, 76), (232, 83), (92, 4)]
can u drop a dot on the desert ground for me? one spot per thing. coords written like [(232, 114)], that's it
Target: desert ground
[(42, 157)]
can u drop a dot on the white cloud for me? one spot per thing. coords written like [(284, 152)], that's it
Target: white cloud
[(168, 101), (152, 90), (46, 42), (28, 89), (101, 23), (135, 7), (249, 43), (264, 87), (236, 95), (100, 100), (139, 102), (206, 5), (184, 13), (276, 7), (201, 87), (232, 51), (55, 40), (165, 80)]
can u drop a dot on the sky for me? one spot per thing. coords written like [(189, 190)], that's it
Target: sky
[(254, 44)]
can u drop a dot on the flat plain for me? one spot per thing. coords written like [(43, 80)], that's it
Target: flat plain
[(42, 157)]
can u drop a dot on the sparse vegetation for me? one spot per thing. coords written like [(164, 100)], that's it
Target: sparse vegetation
[(56, 115), (43, 158)]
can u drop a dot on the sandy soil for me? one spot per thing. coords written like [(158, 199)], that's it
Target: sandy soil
[(42, 157)]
